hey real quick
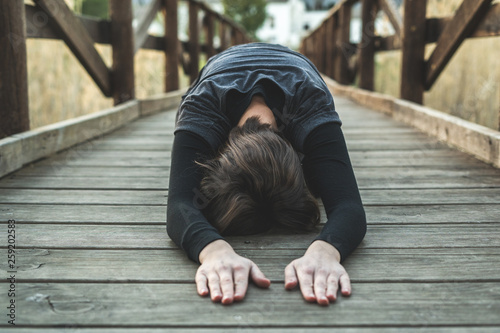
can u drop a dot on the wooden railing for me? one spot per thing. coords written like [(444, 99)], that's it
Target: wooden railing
[(330, 49), (53, 19)]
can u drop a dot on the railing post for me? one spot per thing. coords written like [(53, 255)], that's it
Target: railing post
[(209, 34), (233, 33), (122, 40), (343, 44), (194, 41), (413, 48), (171, 46), (367, 45), (321, 48), (14, 106), (329, 46), (223, 35)]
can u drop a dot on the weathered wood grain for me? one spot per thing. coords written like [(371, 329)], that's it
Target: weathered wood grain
[(170, 18), (165, 304), (159, 197), (413, 48), (145, 178), (449, 329), (170, 266), (122, 43), (194, 41), (93, 251), (113, 214), (14, 110), (95, 236)]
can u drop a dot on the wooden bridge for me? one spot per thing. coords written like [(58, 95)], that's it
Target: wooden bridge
[(83, 201)]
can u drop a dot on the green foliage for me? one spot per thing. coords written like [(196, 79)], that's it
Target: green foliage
[(96, 8), (251, 14)]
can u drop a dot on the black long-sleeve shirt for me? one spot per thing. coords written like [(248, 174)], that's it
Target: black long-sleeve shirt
[(305, 113)]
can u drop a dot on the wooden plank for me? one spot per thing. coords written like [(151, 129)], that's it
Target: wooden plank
[(413, 48), (45, 141), (449, 329), (466, 19), (48, 170), (144, 21), (194, 40), (170, 266), (165, 305), (79, 41), (368, 178), (393, 15), (97, 156), (172, 46), (109, 214), (152, 144), (122, 36), (366, 46), (119, 214), (126, 236), (14, 110)]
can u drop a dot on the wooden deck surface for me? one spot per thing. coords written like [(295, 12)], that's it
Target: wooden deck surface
[(93, 254)]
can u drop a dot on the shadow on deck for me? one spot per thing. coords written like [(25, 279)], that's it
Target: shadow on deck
[(92, 253)]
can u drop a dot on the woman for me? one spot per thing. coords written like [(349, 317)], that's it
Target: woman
[(236, 170)]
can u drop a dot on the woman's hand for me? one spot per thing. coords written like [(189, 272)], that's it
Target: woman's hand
[(224, 274), (319, 274)]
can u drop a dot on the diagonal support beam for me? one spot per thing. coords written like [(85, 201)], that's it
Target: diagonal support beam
[(467, 18), (145, 19), (79, 42), (393, 15)]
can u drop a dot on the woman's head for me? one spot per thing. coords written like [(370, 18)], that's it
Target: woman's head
[(256, 183)]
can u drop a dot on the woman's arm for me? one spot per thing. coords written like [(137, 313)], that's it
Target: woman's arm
[(186, 225), (222, 272), (329, 173)]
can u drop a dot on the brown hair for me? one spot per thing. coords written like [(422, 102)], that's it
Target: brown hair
[(256, 183)]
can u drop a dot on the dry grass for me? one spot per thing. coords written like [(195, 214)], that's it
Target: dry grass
[(60, 88), (469, 85)]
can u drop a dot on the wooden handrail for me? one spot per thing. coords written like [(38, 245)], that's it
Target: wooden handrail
[(54, 20), (147, 17), (329, 48)]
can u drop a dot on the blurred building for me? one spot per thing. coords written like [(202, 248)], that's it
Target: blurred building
[(288, 20)]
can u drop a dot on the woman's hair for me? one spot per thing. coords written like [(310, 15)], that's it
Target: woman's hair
[(256, 183)]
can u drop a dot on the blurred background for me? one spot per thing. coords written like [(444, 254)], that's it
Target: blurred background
[(59, 88)]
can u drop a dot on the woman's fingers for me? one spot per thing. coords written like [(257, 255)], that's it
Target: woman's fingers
[(320, 286), (305, 276), (240, 282), (201, 283), (214, 285), (258, 277), (333, 285), (226, 285), (290, 276), (345, 284)]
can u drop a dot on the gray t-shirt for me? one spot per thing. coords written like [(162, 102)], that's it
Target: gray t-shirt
[(290, 84)]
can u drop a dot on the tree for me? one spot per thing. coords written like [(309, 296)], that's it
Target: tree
[(95, 8), (251, 14)]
